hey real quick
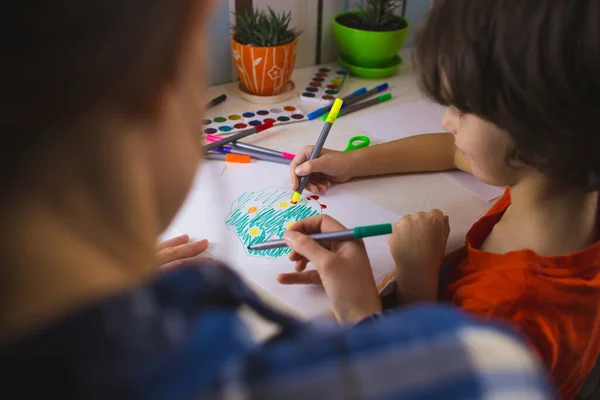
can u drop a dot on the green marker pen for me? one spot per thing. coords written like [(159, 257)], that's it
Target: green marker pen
[(359, 106), (348, 234)]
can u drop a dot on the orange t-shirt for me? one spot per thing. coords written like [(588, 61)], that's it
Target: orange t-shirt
[(554, 301)]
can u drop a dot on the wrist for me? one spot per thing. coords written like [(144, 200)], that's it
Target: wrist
[(354, 316), (357, 163)]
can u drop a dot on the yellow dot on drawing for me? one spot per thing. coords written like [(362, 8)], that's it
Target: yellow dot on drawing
[(283, 204), (252, 209), (254, 231), (290, 224)]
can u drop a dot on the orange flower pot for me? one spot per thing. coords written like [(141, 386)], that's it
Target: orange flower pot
[(264, 71)]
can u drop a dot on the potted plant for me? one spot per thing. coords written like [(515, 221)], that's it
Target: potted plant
[(264, 51), (370, 38)]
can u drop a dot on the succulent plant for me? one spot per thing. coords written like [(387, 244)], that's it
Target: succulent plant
[(263, 29), (379, 13)]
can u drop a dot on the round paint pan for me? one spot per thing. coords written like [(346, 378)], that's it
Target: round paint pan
[(286, 94)]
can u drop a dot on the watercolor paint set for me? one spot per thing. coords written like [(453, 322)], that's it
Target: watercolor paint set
[(232, 123), (324, 85)]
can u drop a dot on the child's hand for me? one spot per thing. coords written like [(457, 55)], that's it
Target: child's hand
[(179, 250), (331, 166), (343, 269), (418, 245)]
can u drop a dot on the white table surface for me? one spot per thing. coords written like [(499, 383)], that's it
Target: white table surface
[(400, 194)]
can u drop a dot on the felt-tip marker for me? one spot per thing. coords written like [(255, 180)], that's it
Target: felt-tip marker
[(348, 234), (337, 105)]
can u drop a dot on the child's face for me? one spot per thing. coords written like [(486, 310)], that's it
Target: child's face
[(484, 145)]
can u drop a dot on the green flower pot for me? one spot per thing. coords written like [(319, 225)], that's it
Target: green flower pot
[(369, 49)]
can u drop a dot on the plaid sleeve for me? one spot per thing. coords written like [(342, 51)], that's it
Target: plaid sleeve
[(428, 352)]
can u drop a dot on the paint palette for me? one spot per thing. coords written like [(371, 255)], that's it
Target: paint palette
[(324, 85), (232, 123)]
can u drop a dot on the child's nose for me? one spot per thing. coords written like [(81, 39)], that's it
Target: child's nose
[(448, 121)]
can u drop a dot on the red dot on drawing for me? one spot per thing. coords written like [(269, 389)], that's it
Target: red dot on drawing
[(315, 197), (241, 125), (269, 121), (323, 206)]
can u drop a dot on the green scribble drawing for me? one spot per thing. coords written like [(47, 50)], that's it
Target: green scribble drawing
[(260, 216)]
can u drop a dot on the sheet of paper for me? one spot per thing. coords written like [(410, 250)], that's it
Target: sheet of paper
[(469, 182), (417, 118), (235, 205)]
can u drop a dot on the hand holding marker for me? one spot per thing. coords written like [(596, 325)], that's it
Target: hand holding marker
[(348, 234), (335, 109)]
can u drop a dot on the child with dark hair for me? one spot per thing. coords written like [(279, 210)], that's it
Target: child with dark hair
[(100, 118), (521, 79)]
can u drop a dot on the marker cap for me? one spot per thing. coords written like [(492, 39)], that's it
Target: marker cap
[(372, 230), (335, 110), (237, 158)]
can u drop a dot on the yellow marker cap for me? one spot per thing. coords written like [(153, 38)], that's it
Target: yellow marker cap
[(238, 158), (295, 197), (335, 110)]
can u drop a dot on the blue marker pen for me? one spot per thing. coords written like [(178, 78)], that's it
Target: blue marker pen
[(368, 93)]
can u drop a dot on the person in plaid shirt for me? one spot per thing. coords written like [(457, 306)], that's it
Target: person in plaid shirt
[(100, 115)]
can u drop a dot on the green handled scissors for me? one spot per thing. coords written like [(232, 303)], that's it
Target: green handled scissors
[(358, 142)]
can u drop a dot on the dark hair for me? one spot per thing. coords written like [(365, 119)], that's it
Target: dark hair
[(66, 58), (531, 67)]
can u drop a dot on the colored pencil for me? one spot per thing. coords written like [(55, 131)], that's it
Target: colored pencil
[(348, 234)]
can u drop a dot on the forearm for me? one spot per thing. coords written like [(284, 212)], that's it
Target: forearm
[(422, 153)]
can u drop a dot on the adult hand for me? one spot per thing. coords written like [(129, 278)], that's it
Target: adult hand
[(179, 250), (331, 166), (343, 268), (418, 245)]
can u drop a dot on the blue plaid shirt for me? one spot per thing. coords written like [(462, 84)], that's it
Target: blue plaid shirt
[(180, 337)]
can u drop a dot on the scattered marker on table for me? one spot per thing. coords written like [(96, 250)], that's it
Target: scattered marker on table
[(358, 232), (359, 106), (248, 146), (235, 158), (238, 136), (216, 101), (320, 111), (365, 95), (330, 120), (253, 154)]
